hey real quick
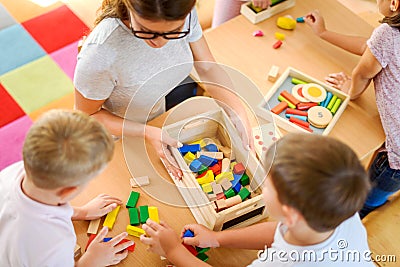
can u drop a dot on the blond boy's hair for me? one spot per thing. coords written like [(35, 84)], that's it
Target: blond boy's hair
[(319, 176), (65, 148)]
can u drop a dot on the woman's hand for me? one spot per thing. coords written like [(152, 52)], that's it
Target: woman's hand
[(316, 22), (339, 81), (96, 208), (160, 141), (203, 237)]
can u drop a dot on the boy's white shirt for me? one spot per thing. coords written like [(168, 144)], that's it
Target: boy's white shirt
[(348, 241), (32, 233)]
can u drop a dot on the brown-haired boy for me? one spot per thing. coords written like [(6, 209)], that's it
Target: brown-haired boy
[(62, 152), (314, 189)]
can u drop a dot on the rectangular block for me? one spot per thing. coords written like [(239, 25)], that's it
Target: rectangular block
[(144, 213), (111, 217), (134, 231), (215, 155), (273, 73), (133, 199), (93, 226), (139, 181), (133, 216), (153, 214)]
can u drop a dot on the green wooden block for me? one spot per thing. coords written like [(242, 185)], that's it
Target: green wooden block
[(230, 193), (202, 169), (244, 180), (244, 193), (133, 216), (133, 199), (144, 213), (202, 256), (202, 250)]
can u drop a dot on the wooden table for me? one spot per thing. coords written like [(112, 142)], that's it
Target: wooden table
[(233, 44)]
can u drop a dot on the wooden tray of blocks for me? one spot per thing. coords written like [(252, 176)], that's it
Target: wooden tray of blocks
[(255, 16), (312, 106), (226, 198)]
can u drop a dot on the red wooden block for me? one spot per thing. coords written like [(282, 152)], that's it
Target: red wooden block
[(290, 97), (299, 122), (201, 175), (130, 248), (279, 108), (277, 44), (239, 169), (296, 112), (216, 168), (305, 128), (306, 106), (92, 236), (191, 249), (221, 196)]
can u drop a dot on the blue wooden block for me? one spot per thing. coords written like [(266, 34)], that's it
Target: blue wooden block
[(300, 19), (303, 118), (328, 98), (188, 233), (211, 148), (189, 148), (106, 239), (237, 187), (195, 165), (207, 161)]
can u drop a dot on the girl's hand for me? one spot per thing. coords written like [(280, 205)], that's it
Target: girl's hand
[(339, 81), (101, 253), (160, 141), (160, 238), (316, 22), (96, 208), (203, 237), (262, 3)]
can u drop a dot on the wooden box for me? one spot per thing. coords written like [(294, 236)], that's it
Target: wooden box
[(254, 17), (284, 83), (216, 125)]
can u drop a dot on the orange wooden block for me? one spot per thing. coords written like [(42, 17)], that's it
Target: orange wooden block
[(299, 122), (296, 112), (290, 97), (279, 108)]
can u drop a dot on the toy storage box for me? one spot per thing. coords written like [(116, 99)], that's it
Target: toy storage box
[(284, 83), (216, 125), (254, 17)]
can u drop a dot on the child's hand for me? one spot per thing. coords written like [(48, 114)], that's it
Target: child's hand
[(97, 207), (316, 22), (262, 3), (203, 237), (101, 253), (339, 81), (160, 237)]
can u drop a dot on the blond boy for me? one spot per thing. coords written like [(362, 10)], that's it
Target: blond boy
[(62, 152)]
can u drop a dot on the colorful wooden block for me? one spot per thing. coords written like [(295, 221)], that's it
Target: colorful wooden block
[(215, 155), (296, 112), (212, 196), (207, 161), (206, 187), (220, 204), (221, 196), (207, 178), (189, 157), (232, 201), (290, 97), (191, 249), (279, 36), (188, 233), (230, 193), (298, 81), (282, 99), (336, 105), (139, 181), (225, 165), (131, 248), (111, 217), (189, 148), (133, 199), (202, 250), (211, 148), (244, 193), (201, 142), (224, 175), (226, 185), (91, 237), (134, 231), (279, 108), (153, 214), (273, 73), (306, 106), (195, 165), (217, 188), (215, 169), (244, 180), (236, 187), (277, 44), (144, 213), (239, 169), (202, 256), (93, 226), (133, 216), (303, 118)]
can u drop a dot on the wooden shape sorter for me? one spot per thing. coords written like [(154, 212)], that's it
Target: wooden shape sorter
[(300, 86)]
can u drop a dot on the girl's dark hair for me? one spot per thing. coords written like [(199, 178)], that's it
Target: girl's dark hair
[(320, 177), (147, 9), (392, 21)]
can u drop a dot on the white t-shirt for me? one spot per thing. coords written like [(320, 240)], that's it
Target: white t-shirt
[(31, 233), (113, 65), (346, 247)]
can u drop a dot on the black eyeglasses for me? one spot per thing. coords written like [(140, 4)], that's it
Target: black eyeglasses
[(152, 35)]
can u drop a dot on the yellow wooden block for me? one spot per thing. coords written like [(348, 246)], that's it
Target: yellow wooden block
[(153, 214), (111, 217), (201, 142), (222, 175), (286, 23), (135, 231), (280, 36), (233, 165), (189, 157), (207, 188), (207, 178)]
